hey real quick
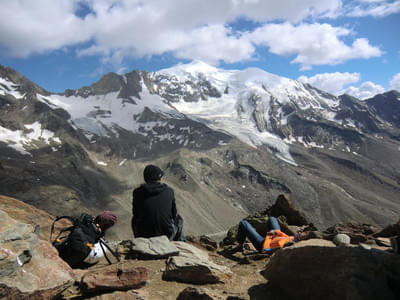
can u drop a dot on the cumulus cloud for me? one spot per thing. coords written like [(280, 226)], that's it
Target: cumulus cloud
[(366, 90), (333, 83), (28, 27), (187, 29), (313, 44), (395, 82), (374, 8)]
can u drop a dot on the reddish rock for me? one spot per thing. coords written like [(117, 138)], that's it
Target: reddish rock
[(129, 295), (114, 278), (28, 214)]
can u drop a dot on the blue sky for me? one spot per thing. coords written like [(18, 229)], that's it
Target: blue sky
[(339, 46)]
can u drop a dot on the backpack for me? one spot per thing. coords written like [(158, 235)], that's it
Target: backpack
[(74, 243)]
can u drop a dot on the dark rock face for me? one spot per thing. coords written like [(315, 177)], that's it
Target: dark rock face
[(334, 273), (283, 207), (386, 106)]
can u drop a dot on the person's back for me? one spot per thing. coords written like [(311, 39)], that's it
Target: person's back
[(154, 210)]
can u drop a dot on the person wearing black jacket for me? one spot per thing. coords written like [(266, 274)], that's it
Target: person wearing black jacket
[(154, 208)]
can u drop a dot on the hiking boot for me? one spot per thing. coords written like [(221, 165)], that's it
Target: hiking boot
[(237, 248)]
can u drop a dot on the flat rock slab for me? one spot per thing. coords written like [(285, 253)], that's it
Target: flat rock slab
[(193, 266), (114, 278), (152, 248), (313, 242)]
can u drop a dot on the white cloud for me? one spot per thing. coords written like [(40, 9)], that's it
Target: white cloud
[(366, 90), (28, 27), (189, 29), (333, 83), (374, 8), (313, 44), (395, 82)]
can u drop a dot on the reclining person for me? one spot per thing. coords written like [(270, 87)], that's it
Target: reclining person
[(275, 238)]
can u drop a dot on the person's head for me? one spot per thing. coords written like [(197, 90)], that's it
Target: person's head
[(106, 220), (152, 173), (299, 236)]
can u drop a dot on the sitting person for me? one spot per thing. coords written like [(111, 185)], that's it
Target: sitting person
[(154, 208), (275, 238)]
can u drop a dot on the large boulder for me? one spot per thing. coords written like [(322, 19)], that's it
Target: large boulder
[(284, 207), (27, 214), (30, 267), (319, 272), (194, 266)]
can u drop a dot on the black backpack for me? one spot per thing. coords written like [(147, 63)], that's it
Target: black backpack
[(74, 243)]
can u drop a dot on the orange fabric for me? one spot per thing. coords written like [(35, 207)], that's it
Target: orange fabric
[(278, 240)]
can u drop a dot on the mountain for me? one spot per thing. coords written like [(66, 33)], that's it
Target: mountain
[(229, 141)]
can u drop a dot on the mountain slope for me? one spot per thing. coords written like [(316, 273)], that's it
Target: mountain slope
[(229, 141)]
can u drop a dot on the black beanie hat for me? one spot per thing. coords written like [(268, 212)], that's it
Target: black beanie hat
[(152, 173)]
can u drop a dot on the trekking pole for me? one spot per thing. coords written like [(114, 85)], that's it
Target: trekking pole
[(102, 242)]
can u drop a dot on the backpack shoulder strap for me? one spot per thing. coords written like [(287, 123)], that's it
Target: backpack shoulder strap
[(72, 219)]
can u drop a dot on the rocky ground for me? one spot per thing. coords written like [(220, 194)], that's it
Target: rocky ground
[(345, 261)]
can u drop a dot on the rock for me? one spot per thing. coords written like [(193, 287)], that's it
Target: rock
[(333, 273), (389, 231), (128, 295), (191, 293), (204, 241), (313, 242), (193, 266), (30, 268), (152, 248), (365, 246), (284, 207), (385, 242), (358, 233), (395, 242), (341, 239), (27, 214), (120, 277)]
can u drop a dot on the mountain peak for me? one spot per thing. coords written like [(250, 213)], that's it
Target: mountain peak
[(194, 68)]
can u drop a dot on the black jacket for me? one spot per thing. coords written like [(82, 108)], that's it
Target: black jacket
[(154, 210)]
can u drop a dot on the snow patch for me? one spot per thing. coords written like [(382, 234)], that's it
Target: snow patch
[(22, 140), (10, 88)]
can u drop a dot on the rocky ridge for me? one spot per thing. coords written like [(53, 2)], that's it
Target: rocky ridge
[(200, 269)]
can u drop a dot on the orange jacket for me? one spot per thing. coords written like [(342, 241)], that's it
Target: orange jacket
[(277, 240)]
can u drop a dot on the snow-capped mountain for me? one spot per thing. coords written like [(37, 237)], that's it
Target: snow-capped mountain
[(252, 105), (242, 136)]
